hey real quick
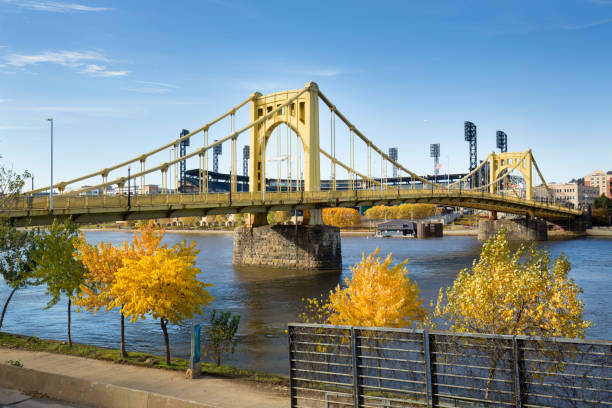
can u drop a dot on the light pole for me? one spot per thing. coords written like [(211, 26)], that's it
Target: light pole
[(51, 189), (129, 189)]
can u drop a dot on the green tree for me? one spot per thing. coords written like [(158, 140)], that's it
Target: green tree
[(55, 265), (221, 334), (11, 184), (278, 217), (240, 219), (191, 221), (602, 202), (16, 248)]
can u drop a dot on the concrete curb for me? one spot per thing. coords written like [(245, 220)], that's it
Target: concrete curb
[(90, 393)]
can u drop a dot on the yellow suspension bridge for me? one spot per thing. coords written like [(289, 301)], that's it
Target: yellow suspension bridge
[(492, 186)]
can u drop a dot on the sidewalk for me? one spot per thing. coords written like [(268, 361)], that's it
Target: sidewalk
[(208, 391)]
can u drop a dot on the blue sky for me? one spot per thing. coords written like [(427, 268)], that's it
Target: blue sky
[(122, 77)]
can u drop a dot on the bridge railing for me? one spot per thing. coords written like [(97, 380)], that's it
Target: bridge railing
[(235, 199), (342, 366)]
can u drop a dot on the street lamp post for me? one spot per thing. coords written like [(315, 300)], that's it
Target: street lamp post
[(51, 189), (129, 189)]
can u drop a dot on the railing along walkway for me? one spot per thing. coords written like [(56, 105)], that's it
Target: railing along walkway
[(343, 366), (67, 204)]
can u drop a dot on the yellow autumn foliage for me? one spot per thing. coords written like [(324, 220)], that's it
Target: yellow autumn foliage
[(145, 241), (163, 284), (102, 262), (403, 211), (341, 217), (515, 293), (377, 295)]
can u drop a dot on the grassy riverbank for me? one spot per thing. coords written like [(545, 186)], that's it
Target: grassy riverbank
[(31, 343)]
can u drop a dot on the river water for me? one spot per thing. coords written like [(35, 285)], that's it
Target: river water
[(268, 299)]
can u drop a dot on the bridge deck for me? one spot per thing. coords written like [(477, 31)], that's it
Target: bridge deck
[(85, 209)]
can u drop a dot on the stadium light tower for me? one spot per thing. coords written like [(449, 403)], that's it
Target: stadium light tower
[(470, 136), (434, 151), (393, 156), (502, 141), (246, 153), (217, 151), (183, 164)]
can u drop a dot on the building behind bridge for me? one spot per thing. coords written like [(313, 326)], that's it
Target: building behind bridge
[(575, 195), (600, 180)]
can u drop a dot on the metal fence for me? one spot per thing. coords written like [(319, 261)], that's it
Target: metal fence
[(341, 366)]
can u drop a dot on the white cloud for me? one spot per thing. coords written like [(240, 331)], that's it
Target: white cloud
[(71, 59), (161, 84), (2, 100), (152, 87), (327, 72), (587, 25), (53, 6), (100, 70)]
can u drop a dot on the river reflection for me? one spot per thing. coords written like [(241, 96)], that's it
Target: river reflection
[(267, 299)]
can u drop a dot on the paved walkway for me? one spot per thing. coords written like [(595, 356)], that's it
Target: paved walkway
[(215, 392)]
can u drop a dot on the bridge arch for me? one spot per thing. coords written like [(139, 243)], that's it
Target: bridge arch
[(302, 116), (502, 162), (283, 156)]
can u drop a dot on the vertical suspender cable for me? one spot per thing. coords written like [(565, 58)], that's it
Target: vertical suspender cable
[(278, 159), (176, 171), (382, 171), (288, 148), (333, 147), (352, 152), (206, 162), (234, 166)]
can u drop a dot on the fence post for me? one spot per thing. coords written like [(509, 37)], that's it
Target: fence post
[(428, 373), (291, 367), (517, 373), (356, 397)]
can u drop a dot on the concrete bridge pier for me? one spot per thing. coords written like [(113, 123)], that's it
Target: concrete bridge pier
[(523, 229), (314, 246)]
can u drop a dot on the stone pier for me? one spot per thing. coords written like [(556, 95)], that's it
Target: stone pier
[(288, 246), (518, 229)]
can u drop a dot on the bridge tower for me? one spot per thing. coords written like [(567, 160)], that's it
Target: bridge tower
[(302, 116), (506, 162)]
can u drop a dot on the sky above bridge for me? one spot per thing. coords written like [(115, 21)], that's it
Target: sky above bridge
[(123, 77)]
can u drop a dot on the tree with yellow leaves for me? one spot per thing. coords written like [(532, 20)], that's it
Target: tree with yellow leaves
[(102, 262), (145, 240), (163, 283), (341, 217), (513, 293), (403, 211), (377, 295)]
